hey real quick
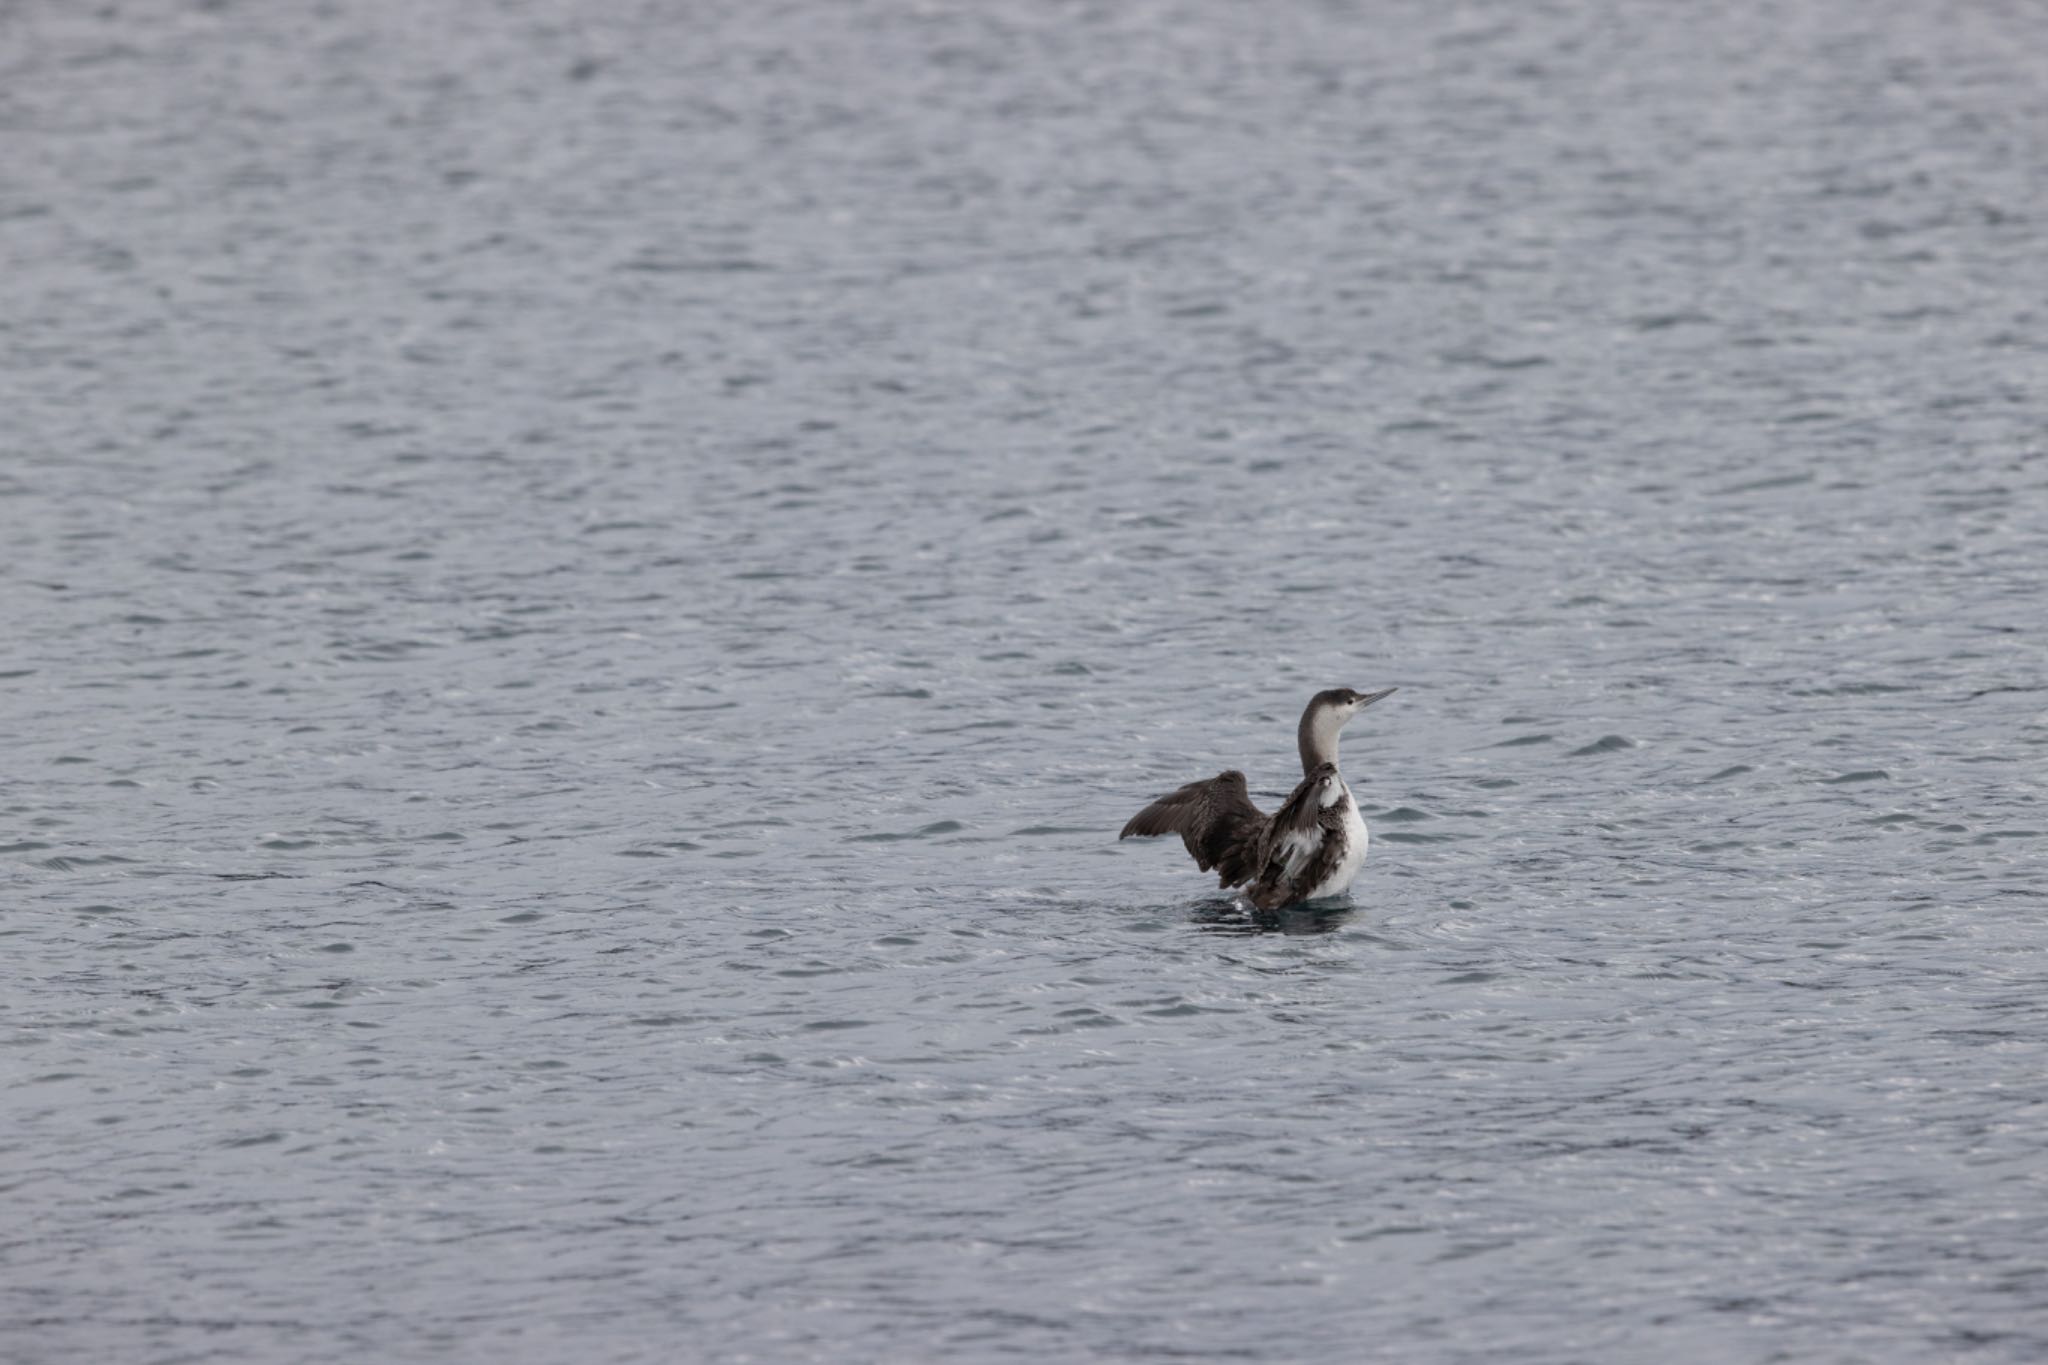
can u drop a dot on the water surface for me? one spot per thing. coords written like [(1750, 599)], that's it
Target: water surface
[(585, 593)]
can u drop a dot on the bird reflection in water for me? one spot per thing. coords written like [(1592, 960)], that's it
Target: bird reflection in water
[(1236, 916)]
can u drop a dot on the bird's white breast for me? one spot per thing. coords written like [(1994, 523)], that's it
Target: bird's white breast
[(1355, 841)]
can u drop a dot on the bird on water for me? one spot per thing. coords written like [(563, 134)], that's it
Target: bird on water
[(1312, 847)]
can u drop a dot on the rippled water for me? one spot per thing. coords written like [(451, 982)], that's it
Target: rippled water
[(585, 593)]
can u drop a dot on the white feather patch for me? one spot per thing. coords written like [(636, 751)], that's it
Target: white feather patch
[(1297, 848)]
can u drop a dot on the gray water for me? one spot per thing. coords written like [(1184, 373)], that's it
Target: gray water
[(586, 589)]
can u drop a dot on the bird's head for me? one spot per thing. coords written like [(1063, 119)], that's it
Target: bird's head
[(1327, 714), (1346, 703)]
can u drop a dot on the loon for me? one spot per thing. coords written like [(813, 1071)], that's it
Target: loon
[(1312, 847)]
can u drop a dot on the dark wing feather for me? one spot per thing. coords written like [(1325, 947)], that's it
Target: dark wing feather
[(1215, 819)]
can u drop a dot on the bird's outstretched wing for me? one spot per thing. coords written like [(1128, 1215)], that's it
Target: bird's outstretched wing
[(1217, 821)]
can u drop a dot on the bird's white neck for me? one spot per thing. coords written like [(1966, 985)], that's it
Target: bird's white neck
[(1317, 738)]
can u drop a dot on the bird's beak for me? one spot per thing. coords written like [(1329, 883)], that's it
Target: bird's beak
[(1369, 698)]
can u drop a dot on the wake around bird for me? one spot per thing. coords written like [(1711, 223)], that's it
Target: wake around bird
[(1312, 847)]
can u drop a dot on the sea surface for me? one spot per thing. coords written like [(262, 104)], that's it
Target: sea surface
[(585, 588)]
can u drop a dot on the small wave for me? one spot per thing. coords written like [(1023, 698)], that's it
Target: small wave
[(938, 827)]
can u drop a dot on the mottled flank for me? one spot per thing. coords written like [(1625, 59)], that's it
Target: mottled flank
[(1305, 843), (582, 587)]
